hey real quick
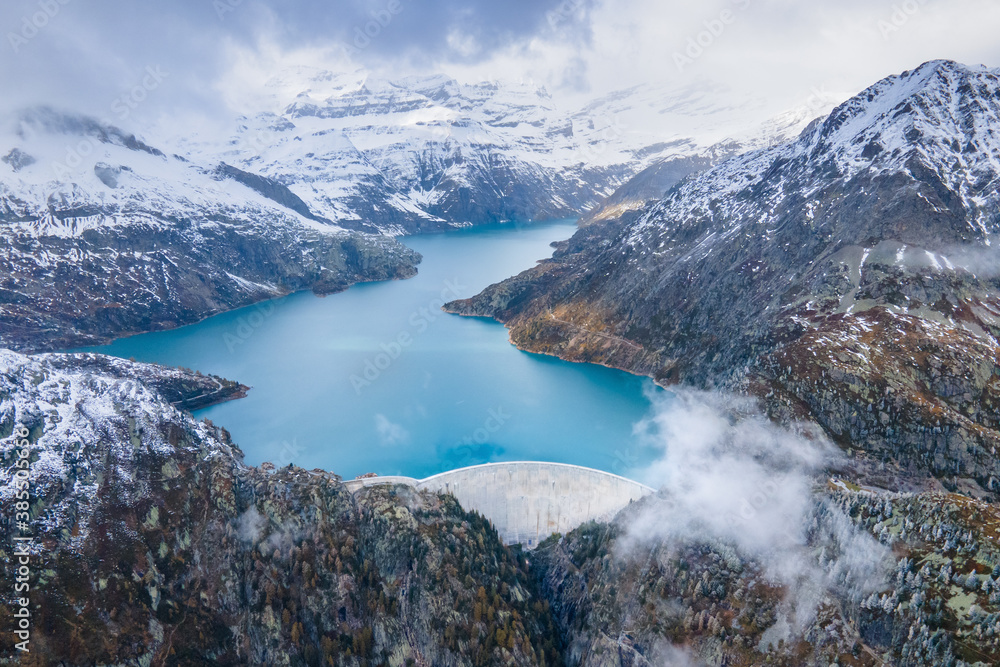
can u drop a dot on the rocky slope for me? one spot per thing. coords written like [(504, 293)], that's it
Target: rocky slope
[(152, 543), (183, 388), (846, 277), (110, 237), (699, 602)]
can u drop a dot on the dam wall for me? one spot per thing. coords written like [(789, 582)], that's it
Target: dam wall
[(529, 501)]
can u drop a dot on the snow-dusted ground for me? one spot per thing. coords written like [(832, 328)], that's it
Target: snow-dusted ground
[(79, 421)]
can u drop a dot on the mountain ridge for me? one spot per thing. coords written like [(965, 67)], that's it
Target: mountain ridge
[(740, 273)]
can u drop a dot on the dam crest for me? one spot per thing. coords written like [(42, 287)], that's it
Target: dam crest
[(527, 501)]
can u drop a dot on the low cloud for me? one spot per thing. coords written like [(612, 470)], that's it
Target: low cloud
[(250, 525), (729, 476), (669, 655), (983, 261)]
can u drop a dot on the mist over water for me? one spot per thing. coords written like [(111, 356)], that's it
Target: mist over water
[(379, 379)]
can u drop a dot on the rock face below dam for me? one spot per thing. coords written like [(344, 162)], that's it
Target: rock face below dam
[(529, 501)]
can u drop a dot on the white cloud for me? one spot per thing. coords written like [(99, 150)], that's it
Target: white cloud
[(250, 525), (778, 51), (730, 476), (776, 48)]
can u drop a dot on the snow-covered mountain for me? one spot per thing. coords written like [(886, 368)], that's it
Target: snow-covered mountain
[(935, 127), (347, 151), (854, 266), (104, 234), (418, 153)]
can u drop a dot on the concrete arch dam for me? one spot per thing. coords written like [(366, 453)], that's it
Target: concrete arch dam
[(528, 501)]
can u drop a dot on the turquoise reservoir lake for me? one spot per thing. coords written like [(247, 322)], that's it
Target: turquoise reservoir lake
[(378, 379)]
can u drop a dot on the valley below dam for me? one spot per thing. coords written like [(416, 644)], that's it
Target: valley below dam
[(378, 379)]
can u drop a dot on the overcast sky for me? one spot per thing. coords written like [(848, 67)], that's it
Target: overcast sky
[(86, 54)]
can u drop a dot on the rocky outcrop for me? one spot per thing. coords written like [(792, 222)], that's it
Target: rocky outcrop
[(182, 388), (911, 393), (652, 183), (18, 159), (269, 188)]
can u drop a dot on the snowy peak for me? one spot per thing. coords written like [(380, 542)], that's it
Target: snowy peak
[(354, 151), (62, 174), (944, 112), (919, 152), (424, 99)]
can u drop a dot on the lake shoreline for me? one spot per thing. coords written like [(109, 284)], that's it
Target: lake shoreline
[(439, 392)]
